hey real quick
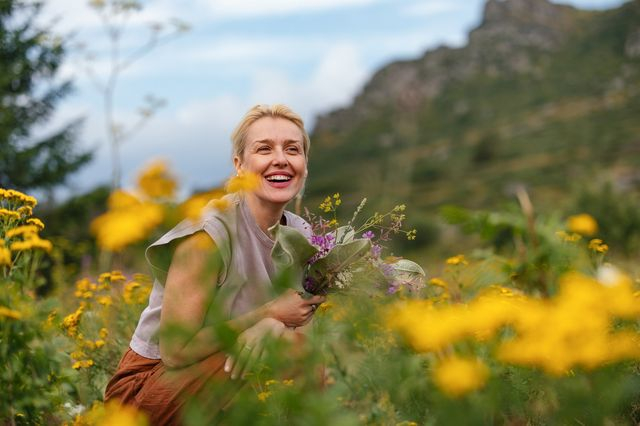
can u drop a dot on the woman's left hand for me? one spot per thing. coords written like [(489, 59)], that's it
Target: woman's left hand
[(250, 346)]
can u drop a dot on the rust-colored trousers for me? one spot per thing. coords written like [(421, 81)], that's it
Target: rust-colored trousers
[(162, 393)]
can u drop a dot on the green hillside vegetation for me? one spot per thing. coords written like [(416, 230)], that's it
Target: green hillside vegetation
[(560, 121)]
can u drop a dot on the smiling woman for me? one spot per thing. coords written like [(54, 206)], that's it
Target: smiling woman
[(162, 369)]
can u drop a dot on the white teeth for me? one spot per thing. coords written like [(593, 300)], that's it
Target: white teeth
[(278, 178)]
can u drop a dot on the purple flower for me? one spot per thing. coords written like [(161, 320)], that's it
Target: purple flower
[(376, 250), (368, 235)]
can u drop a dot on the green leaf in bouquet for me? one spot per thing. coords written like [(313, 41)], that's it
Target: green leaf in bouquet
[(408, 267), (291, 248), (339, 258), (345, 234)]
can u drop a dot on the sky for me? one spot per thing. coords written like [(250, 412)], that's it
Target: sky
[(313, 55)]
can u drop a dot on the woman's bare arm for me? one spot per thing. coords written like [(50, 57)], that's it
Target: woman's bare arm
[(189, 292)]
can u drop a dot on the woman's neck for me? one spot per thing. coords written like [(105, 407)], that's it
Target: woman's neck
[(265, 214)]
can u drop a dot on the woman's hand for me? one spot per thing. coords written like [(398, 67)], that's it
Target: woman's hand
[(292, 310), (250, 345)]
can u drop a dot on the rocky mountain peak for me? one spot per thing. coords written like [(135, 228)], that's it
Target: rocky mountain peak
[(536, 23)]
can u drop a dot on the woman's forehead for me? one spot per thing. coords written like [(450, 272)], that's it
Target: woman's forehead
[(273, 130)]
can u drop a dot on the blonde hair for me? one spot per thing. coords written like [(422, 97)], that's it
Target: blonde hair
[(239, 135)]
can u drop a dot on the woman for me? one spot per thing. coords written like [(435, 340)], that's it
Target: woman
[(157, 372)]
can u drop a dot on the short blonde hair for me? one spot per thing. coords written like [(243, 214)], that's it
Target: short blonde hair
[(239, 135)]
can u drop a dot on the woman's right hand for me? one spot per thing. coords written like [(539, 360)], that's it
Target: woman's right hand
[(292, 310)]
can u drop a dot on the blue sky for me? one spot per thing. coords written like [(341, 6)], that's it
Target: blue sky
[(314, 55)]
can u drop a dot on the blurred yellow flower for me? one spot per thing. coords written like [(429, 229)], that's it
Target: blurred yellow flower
[(5, 256), (86, 363), (9, 313), (9, 213), (99, 343), (35, 222), (263, 396), (438, 282), (25, 230), (128, 221), (598, 246), (193, 207), (456, 376), (570, 238), (457, 260), (136, 293), (111, 414), (244, 182), (583, 224), (156, 181)]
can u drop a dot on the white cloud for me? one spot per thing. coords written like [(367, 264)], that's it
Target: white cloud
[(429, 9), (225, 9)]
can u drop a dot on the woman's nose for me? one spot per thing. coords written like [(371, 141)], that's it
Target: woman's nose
[(279, 157)]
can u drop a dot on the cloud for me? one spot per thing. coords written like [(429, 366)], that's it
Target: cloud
[(233, 9), (428, 9)]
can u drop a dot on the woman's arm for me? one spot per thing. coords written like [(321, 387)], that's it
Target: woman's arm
[(189, 293)]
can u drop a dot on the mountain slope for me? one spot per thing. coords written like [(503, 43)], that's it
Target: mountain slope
[(543, 95)]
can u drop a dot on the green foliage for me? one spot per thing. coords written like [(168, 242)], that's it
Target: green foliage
[(30, 58)]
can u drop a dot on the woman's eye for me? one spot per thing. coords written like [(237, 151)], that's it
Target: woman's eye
[(293, 149), (263, 149)]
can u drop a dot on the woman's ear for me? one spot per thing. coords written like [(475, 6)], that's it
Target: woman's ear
[(237, 164)]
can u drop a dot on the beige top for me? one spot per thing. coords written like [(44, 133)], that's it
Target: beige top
[(246, 271)]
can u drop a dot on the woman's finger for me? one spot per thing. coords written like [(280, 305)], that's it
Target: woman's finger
[(242, 360), (228, 364)]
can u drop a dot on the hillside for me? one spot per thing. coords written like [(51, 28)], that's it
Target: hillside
[(543, 95)]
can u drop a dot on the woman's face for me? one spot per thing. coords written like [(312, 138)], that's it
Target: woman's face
[(274, 151)]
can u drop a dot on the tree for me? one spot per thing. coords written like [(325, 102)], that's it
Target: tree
[(29, 61)]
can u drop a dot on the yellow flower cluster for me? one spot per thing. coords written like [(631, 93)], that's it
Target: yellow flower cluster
[(13, 196), (569, 237), (243, 182), (70, 322), (457, 376), (457, 260), (193, 207), (112, 413), (127, 221), (575, 328), (5, 254), (19, 229), (9, 313), (136, 293), (598, 246), (156, 181), (330, 204), (583, 224)]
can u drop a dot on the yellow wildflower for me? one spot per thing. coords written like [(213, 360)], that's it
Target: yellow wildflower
[(35, 222), (112, 414), (457, 260), (33, 242), (128, 221), (71, 321), (120, 199), (135, 293), (195, 206), (99, 343), (105, 300), (287, 382), (9, 213), (458, 376), (103, 333), (263, 396), (598, 246), (25, 211), (583, 224), (5, 256), (25, 230), (244, 182), (156, 181), (270, 382), (438, 282), (82, 364), (9, 313), (327, 205)]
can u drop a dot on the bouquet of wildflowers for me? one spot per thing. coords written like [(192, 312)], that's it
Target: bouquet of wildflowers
[(336, 254)]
